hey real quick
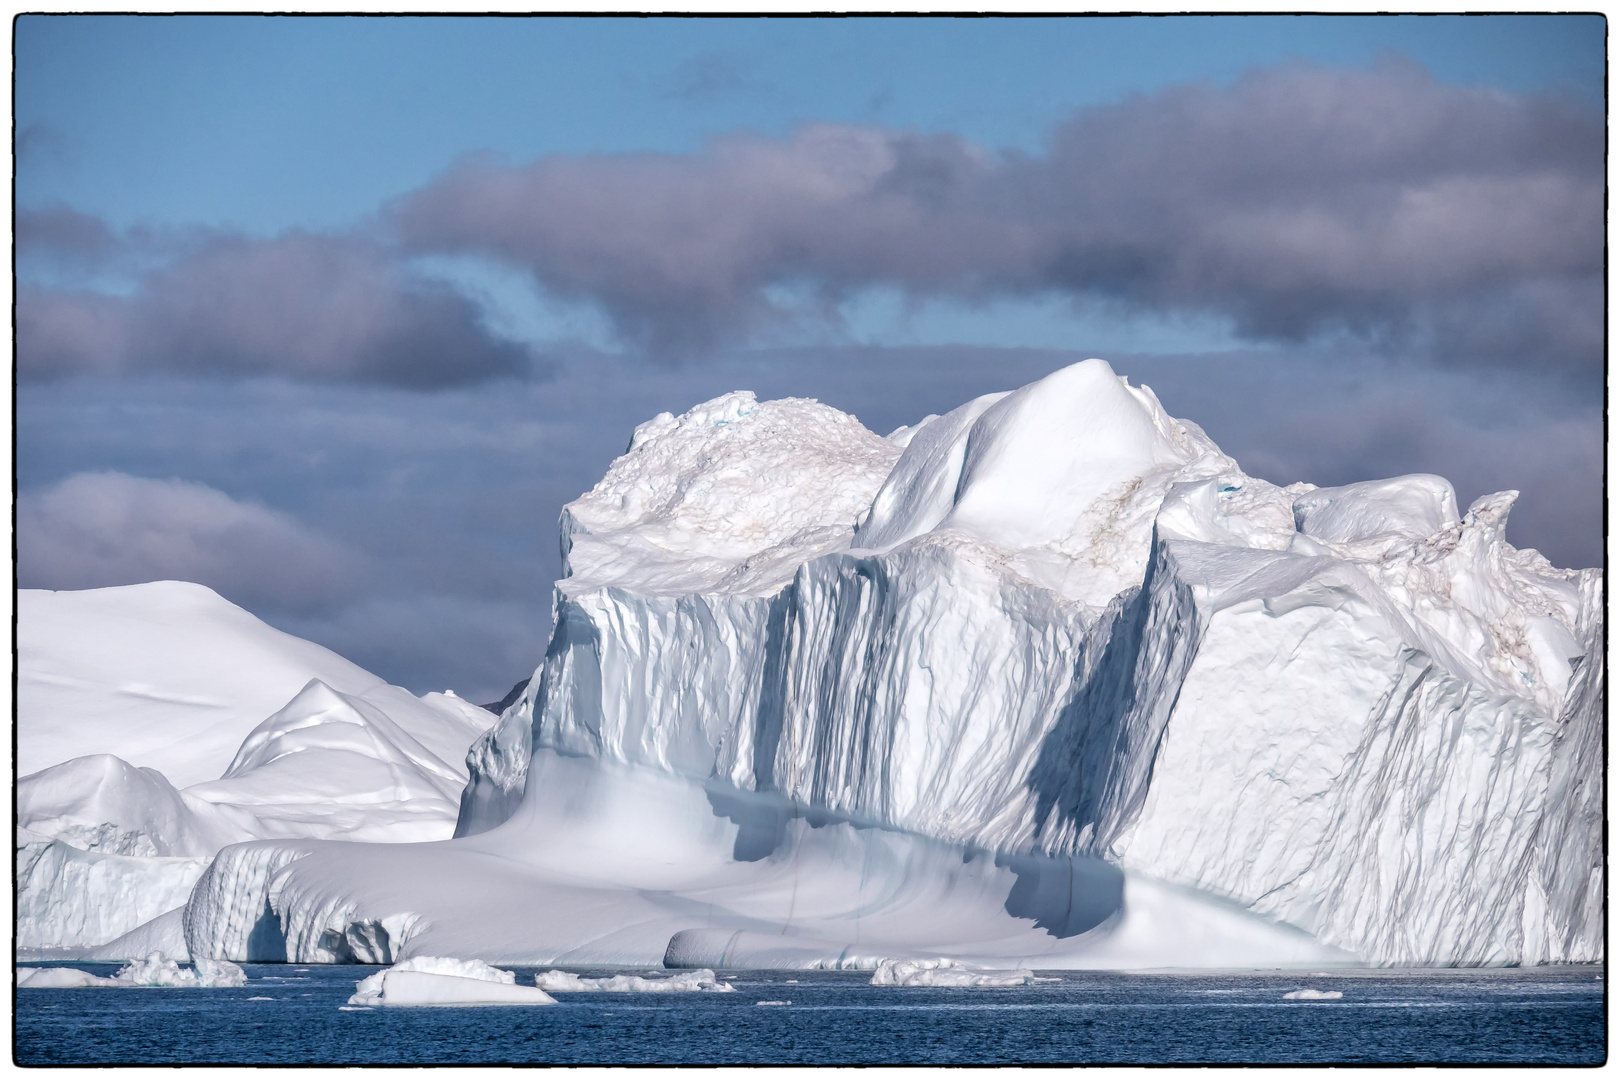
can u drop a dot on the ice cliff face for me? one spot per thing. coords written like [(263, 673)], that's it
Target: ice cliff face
[(1058, 621)]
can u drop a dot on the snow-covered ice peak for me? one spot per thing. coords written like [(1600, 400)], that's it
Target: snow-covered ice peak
[(166, 675), (729, 497), (1064, 476), (102, 803), (1404, 508), (1490, 613)]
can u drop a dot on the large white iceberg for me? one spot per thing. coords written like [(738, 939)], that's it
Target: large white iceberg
[(124, 690), (1044, 682)]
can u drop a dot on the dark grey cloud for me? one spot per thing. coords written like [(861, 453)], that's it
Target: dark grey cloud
[(305, 305), (1300, 203), (96, 529), (62, 234)]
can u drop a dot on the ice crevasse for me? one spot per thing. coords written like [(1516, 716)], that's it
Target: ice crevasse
[(1044, 681)]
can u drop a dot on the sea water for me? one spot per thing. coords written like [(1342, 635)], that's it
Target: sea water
[(296, 1014)]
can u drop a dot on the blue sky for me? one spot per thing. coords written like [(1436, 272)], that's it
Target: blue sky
[(266, 123), (169, 161)]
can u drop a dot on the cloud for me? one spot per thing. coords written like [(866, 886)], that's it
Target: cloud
[(309, 306), (1299, 203), (65, 235), (97, 529)]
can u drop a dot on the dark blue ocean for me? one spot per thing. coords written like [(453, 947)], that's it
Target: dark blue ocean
[(1543, 1015)]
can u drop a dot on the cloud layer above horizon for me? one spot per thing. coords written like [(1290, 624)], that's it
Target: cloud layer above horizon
[(1300, 204)]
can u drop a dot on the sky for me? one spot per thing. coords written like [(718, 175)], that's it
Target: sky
[(335, 314)]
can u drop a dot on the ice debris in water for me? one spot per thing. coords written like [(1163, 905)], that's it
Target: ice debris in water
[(440, 980), (55, 978), (944, 973), (565, 982), (155, 970), (1312, 995)]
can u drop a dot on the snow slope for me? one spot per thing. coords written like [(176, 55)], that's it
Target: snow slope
[(167, 673), (1046, 681)]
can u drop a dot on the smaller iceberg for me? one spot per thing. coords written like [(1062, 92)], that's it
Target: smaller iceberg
[(55, 978), (703, 979), (155, 970), (438, 980), (944, 973), (1312, 995)]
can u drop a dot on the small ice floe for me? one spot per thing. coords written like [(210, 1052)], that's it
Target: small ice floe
[(58, 978), (155, 970), (773, 1003), (261, 999), (1312, 995), (790, 982), (943, 972), (439, 980), (564, 982)]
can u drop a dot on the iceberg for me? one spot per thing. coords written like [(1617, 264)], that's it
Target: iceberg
[(1043, 682), (436, 980), (154, 970), (565, 982), (942, 972), (161, 674)]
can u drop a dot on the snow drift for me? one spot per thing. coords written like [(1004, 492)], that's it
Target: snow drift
[(1047, 681)]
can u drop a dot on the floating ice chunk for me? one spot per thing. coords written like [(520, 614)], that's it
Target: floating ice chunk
[(439, 980), (424, 988), (1312, 995), (155, 970), (944, 973), (568, 983), (52, 978), (773, 1003)]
